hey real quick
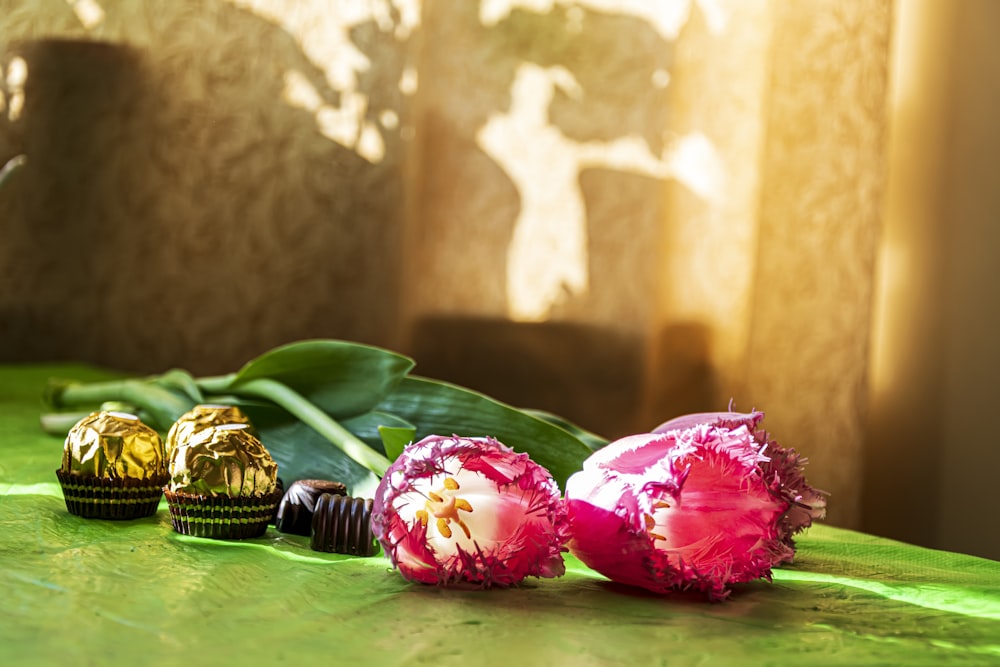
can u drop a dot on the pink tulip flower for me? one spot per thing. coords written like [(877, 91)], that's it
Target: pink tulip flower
[(806, 504), (470, 512), (704, 502)]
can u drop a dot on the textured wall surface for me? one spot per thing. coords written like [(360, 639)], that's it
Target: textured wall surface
[(820, 220), (733, 260), (176, 208), (553, 125), (617, 211)]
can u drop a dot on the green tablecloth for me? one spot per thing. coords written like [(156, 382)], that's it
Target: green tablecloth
[(77, 591)]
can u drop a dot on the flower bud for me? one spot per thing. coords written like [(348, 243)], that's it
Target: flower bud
[(705, 502), (469, 511)]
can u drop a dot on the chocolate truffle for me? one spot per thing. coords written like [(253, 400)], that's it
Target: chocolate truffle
[(343, 525), (200, 417), (295, 511), (223, 484), (113, 467)]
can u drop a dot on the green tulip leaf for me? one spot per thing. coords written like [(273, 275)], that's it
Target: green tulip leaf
[(592, 440), (179, 381), (341, 378), (440, 408), (300, 451), (395, 439), (370, 426), (340, 410), (160, 405)]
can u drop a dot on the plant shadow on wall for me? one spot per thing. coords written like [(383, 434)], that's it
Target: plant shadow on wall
[(545, 189), (194, 194), (210, 179)]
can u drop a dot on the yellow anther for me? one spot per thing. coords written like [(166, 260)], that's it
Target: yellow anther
[(661, 505), (444, 507), (650, 525)]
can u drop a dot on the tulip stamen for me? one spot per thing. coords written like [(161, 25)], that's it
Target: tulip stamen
[(444, 506), (650, 525), (520, 527)]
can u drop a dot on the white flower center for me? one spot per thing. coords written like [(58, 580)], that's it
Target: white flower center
[(457, 508), (444, 505)]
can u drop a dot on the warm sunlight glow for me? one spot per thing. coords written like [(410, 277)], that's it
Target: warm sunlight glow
[(408, 82), (300, 93), (389, 119), (906, 242), (666, 16), (547, 255), (17, 75), (89, 12), (693, 161), (547, 258), (323, 31)]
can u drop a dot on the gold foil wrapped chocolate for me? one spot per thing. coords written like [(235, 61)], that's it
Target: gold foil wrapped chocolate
[(113, 445), (225, 460), (201, 417)]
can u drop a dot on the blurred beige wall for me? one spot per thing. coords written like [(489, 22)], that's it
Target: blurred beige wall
[(206, 180)]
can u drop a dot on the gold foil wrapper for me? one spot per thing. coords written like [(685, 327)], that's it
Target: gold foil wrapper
[(113, 445), (201, 417), (225, 460)]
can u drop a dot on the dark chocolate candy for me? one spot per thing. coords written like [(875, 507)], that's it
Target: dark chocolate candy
[(295, 511), (343, 525)]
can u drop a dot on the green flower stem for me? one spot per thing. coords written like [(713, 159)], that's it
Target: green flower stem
[(216, 384), (308, 413), (59, 423), (162, 405)]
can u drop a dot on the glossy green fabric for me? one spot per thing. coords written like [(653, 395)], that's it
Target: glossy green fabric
[(75, 591)]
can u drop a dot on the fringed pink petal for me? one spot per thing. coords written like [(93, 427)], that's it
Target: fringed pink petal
[(699, 507), (725, 419), (470, 512), (783, 469), (607, 528)]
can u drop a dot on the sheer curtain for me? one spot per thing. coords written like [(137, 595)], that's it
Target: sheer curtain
[(788, 205), (932, 450), (702, 186), (617, 210)]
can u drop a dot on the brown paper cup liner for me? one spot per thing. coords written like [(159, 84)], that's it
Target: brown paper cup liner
[(221, 517), (104, 498)]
